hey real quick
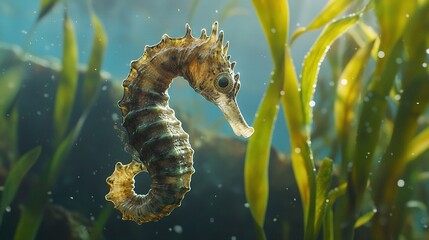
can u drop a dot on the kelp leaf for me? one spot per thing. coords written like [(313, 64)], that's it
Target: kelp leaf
[(328, 225), (294, 118), (392, 17), (15, 177), (92, 80), (348, 89), (45, 7), (10, 82), (323, 183), (414, 101), (258, 150), (67, 84), (418, 145), (62, 151), (32, 214), (302, 159), (370, 35), (364, 219), (315, 56), (275, 23), (328, 219), (101, 221), (331, 10)]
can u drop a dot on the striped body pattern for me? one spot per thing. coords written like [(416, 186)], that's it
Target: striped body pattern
[(155, 133)]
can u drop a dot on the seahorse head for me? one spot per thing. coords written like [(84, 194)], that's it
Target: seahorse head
[(211, 74)]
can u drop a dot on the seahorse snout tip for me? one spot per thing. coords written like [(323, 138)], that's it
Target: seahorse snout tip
[(248, 132), (242, 129)]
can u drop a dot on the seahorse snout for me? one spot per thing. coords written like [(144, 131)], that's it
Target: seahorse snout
[(234, 117)]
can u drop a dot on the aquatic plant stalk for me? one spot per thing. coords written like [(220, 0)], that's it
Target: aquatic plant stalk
[(257, 155), (15, 177), (349, 87), (414, 102), (92, 80), (46, 6), (302, 159), (32, 212), (374, 106), (331, 10), (67, 86)]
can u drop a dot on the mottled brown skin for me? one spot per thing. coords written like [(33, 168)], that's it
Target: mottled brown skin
[(161, 144)]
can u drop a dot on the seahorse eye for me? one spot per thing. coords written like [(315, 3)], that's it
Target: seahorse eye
[(223, 83)]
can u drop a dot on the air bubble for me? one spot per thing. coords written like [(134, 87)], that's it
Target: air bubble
[(400, 183), (178, 229), (115, 117), (380, 54), (343, 82)]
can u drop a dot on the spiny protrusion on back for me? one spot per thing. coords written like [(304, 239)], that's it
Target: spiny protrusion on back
[(165, 38), (220, 38), (233, 65), (237, 77), (203, 34), (188, 31), (225, 48), (213, 35)]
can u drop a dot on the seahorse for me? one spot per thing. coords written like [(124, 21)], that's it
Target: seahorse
[(155, 133)]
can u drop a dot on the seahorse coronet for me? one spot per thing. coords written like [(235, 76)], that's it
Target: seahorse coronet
[(155, 133)]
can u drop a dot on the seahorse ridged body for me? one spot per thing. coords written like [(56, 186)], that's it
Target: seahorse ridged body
[(153, 130)]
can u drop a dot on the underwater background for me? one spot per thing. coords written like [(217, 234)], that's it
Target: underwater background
[(337, 92)]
